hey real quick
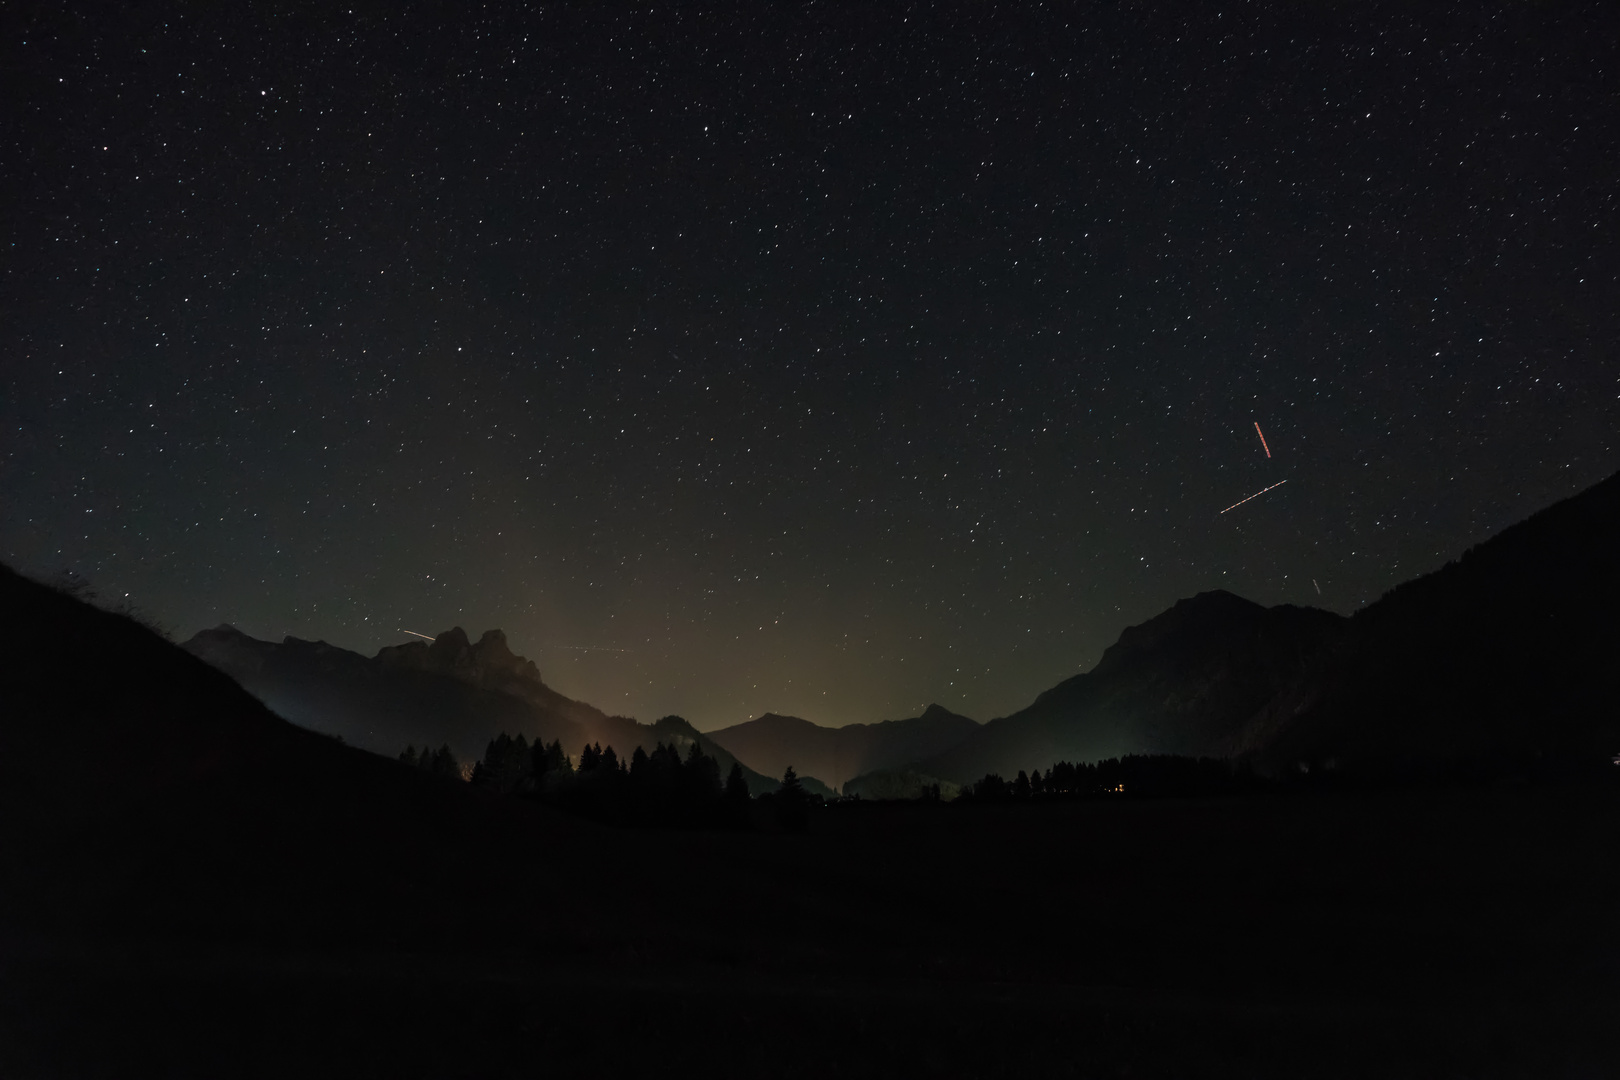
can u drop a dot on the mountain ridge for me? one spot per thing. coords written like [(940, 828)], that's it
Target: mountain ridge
[(452, 691), (1497, 655), (1501, 653), (836, 755), (1174, 684)]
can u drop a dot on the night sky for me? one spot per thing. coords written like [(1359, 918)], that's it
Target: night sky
[(818, 359)]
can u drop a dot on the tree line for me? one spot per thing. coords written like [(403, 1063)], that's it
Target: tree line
[(660, 788), (440, 762), (1169, 775), (1134, 775)]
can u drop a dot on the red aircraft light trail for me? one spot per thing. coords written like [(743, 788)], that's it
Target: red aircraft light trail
[(1262, 435)]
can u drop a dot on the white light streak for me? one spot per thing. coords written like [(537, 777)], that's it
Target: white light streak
[(1256, 495)]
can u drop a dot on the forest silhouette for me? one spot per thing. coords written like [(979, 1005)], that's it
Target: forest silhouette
[(660, 789)]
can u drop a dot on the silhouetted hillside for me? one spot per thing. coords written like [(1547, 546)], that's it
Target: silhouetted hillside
[(1183, 683), (159, 797), (450, 691), (772, 743), (900, 784), (1498, 662), (193, 886), (1507, 653)]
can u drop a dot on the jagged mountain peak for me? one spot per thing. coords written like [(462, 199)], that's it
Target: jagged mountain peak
[(449, 691), (493, 644), (490, 662), (452, 640)]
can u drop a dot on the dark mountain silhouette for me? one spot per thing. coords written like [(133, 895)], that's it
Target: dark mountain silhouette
[(771, 743), (1499, 660), (159, 797), (1184, 682), (452, 691), (1505, 654), (191, 882)]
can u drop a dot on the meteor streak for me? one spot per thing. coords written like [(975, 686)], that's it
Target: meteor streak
[(1256, 495), (1262, 435), (413, 633), (1318, 587)]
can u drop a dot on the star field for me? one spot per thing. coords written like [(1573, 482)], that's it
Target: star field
[(795, 359)]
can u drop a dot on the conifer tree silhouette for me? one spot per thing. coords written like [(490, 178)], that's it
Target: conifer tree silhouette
[(792, 804)]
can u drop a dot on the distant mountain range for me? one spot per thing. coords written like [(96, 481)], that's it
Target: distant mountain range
[(771, 743), (451, 691), (1508, 652), (172, 849), (1177, 684), (1505, 653), (146, 793)]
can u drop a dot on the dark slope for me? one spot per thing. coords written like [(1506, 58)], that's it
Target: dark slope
[(1184, 682), (772, 743), (900, 783), (1507, 653), (379, 707), (142, 791), (453, 691), (193, 887), (1504, 656)]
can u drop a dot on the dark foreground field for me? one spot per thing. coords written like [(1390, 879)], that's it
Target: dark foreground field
[(1434, 933), (190, 886)]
